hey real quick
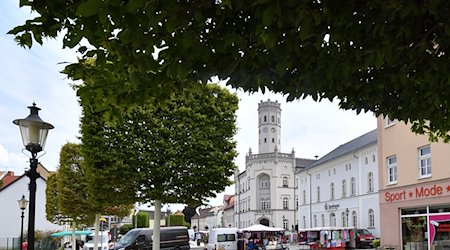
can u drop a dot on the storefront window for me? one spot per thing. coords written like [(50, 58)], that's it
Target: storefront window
[(439, 231), (414, 232)]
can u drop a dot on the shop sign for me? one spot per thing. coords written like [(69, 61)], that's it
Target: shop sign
[(331, 206), (417, 193)]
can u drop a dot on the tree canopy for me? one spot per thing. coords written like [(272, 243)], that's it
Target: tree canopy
[(389, 57), (179, 151)]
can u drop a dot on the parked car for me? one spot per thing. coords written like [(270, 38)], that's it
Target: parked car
[(141, 239), (103, 241), (364, 238)]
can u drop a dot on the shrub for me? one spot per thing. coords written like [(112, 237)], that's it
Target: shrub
[(125, 228), (376, 243)]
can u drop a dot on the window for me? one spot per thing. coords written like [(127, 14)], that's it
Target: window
[(265, 118), (373, 158), (304, 196), (265, 140), (264, 182), (389, 122), (354, 219), (285, 203), (425, 161), (392, 169), (323, 220), (285, 224), (352, 186), (226, 237), (273, 140), (318, 194), (296, 202), (332, 220), (304, 221), (370, 182), (349, 166), (285, 181), (265, 203), (343, 219), (273, 118), (334, 171), (366, 161), (371, 218), (344, 188), (332, 191), (315, 220)]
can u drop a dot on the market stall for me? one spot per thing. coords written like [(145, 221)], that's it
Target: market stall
[(327, 237), (263, 237)]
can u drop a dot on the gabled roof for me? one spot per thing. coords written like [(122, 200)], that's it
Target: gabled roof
[(204, 212), (8, 179), (351, 146)]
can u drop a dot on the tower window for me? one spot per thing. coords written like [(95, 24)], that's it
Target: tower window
[(273, 118), (265, 140), (265, 118), (273, 140)]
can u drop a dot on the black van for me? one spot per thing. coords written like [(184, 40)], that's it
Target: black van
[(176, 238)]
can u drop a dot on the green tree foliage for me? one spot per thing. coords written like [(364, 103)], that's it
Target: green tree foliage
[(52, 211), (389, 57), (175, 220), (73, 199), (181, 151)]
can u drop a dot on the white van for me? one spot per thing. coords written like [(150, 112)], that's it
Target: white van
[(103, 241), (223, 239)]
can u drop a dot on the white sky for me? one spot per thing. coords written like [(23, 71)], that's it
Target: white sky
[(28, 76)]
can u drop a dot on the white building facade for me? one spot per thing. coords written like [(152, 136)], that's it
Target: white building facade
[(265, 193), (10, 213), (341, 188)]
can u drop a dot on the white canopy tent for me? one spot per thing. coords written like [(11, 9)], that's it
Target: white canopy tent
[(262, 228)]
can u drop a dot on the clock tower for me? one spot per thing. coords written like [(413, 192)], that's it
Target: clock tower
[(269, 126)]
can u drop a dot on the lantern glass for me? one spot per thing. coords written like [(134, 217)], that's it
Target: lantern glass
[(23, 203)]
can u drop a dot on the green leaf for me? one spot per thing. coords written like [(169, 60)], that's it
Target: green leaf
[(268, 16), (89, 8)]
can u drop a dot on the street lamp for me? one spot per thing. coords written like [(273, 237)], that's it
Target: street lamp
[(346, 215), (34, 134), (168, 212), (22, 204)]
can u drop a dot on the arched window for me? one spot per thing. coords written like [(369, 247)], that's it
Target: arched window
[(304, 196), (354, 219), (285, 224), (371, 218), (285, 181), (318, 194), (332, 191), (304, 221), (332, 220), (322, 220), (265, 118), (344, 188), (273, 118), (353, 186), (343, 219), (315, 220), (285, 203), (370, 182)]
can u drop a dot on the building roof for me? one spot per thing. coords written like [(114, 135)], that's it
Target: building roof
[(8, 178), (302, 163), (351, 146)]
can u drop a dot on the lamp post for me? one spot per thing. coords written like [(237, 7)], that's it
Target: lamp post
[(168, 212), (346, 216), (34, 134), (22, 204)]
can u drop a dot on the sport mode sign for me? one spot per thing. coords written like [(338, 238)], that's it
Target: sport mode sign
[(417, 193)]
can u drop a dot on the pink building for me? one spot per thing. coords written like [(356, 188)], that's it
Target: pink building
[(414, 193)]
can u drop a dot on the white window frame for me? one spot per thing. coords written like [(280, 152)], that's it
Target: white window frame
[(371, 218), (352, 186), (388, 122), (392, 169), (344, 188), (354, 219), (424, 162), (332, 191), (370, 183), (332, 220), (285, 203), (318, 193), (285, 181)]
